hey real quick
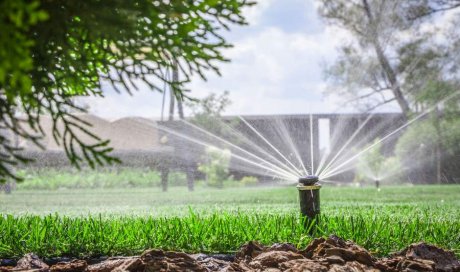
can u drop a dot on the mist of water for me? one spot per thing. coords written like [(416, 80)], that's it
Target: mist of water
[(283, 148)]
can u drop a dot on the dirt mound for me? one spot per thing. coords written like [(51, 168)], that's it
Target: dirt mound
[(323, 254)]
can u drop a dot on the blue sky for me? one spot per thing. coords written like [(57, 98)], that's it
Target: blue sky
[(276, 67)]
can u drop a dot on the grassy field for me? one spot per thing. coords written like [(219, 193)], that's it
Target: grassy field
[(91, 222)]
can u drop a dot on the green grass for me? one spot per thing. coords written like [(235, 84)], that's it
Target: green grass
[(53, 179), (126, 221)]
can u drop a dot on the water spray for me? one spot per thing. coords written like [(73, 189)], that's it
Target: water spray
[(308, 187)]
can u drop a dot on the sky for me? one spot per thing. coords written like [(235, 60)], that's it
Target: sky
[(276, 67)]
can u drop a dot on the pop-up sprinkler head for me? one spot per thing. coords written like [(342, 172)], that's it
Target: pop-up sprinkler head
[(308, 180), (309, 199), (377, 184)]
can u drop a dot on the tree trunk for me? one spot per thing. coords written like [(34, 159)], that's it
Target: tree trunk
[(383, 60), (172, 98), (438, 147), (164, 178), (190, 168), (165, 170), (190, 179), (175, 77)]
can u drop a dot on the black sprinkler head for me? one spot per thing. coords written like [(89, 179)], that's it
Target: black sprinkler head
[(308, 180), (309, 201)]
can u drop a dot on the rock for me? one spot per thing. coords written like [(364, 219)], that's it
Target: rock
[(415, 265), (249, 250), (311, 248), (334, 260), (72, 266), (117, 264), (314, 266), (301, 265), (352, 267), (272, 259), (212, 263), (239, 266), (158, 260), (30, 262), (334, 248), (421, 257), (443, 260), (350, 255), (283, 247), (323, 254)]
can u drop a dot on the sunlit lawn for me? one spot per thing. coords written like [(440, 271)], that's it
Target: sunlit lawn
[(435, 200), (89, 222)]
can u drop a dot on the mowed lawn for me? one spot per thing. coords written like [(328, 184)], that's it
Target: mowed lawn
[(429, 200), (93, 222)]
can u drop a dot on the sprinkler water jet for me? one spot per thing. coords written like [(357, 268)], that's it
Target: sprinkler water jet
[(308, 187)]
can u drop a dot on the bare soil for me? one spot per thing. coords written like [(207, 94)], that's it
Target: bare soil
[(331, 254)]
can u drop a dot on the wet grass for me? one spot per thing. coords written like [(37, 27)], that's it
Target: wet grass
[(437, 201), (220, 232), (125, 222)]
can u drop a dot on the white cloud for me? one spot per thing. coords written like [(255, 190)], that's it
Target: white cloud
[(254, 13), (272, 72), (277, 72)]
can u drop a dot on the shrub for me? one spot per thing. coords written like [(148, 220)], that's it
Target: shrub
[(215, 166), (370, 163), (102, 178), (417, 150), (249, 181)]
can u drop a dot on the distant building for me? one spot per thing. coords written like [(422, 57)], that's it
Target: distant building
[(130, 133)]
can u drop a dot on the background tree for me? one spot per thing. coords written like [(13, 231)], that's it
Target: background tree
[(52, 51), (215, 166), (370, 165), (364, 68), (207, 111), (390, 55), (377, 166), (425, 8), (206, 114), (397, 53)]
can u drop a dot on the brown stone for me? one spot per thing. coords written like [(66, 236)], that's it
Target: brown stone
[(73, 266), (239, 266), (162, 261), (442, 260), (283, 247), (273, 259), (312, 247), (416, 265), (350, 255), (213, 264), (302, 265), (352, 267), (117, 264), (323, 254), (334, 260), (30, 262), (334, 246), (249, 250)]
